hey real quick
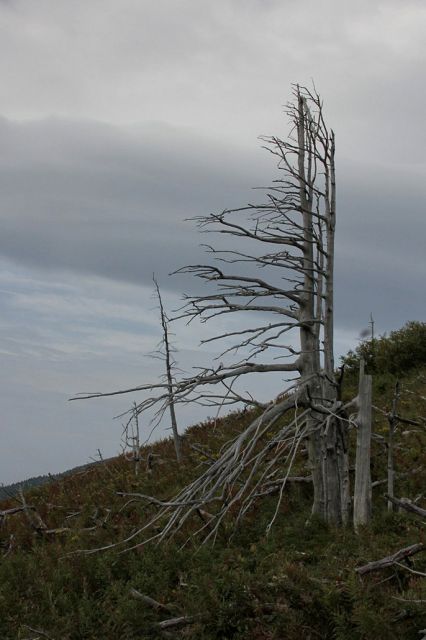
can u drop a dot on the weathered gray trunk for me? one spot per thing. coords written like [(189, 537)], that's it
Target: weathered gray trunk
[(335, 436), (310, 362), (327, 444), (362, 491), (331, 474), (335, 462)]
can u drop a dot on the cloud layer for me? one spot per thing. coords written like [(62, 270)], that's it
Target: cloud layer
[(119, 120)]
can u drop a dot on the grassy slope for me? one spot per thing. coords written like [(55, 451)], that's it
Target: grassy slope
[(299, 583)]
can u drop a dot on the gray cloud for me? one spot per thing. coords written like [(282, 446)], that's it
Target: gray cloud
[(111, 201), (100, 199), (380, 246), (122, 119)]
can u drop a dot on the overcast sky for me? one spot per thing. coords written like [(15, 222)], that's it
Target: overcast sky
[(119, 119)]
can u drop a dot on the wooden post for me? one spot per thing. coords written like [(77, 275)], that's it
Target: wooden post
[(362, 491)]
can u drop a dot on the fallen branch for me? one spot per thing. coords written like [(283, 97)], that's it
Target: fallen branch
[(204, 453), (182, 621), (413, 601), (389, 561), (152, 500), (377, 483), (32, 515), (406, 504), (179, 621), (154, 604), (42, 633), (58, 530), (74, 514), (39, 525), (275, 486), (14, 510)]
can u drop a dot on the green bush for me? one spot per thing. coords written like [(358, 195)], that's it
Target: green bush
[(399, 352)]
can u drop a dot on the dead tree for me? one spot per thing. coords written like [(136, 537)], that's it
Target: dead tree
[(164, 352), (278, 271), (394, 420)]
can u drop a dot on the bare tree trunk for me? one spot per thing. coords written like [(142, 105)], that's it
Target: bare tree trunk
[(326, 451), (331, 474), (309, 330), (169, 375), (393, 421), (362, 492), (337, 440)]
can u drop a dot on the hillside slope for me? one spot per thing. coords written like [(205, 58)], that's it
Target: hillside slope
[(297, 583)]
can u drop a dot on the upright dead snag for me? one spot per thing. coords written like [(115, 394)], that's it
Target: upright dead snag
[(166, 355)]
